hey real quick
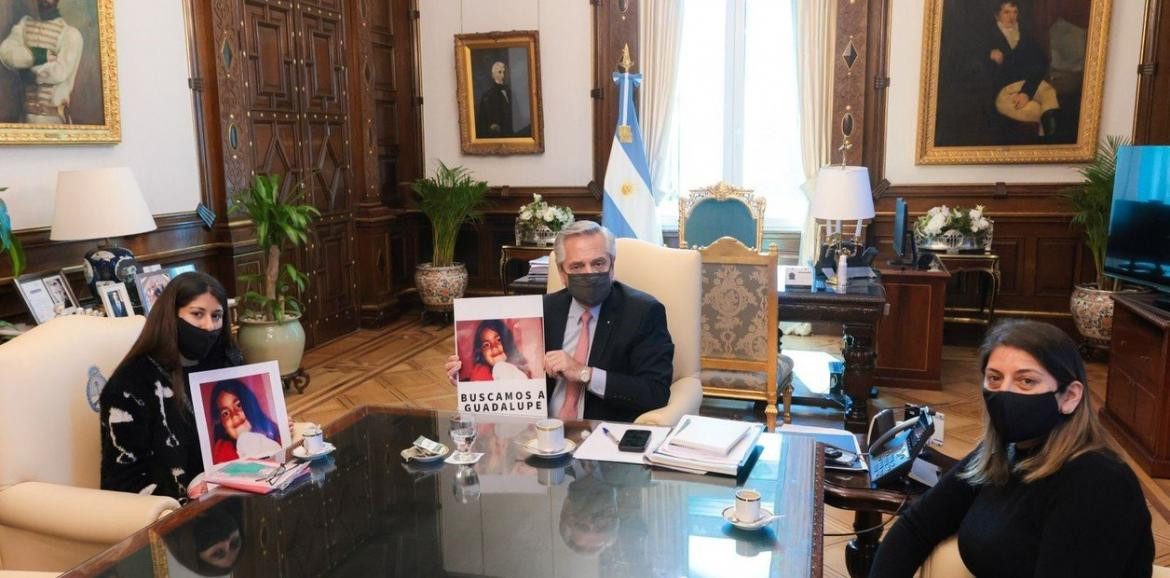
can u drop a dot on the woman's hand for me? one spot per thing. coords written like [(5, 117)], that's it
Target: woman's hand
[(197, 487), (452, 368)]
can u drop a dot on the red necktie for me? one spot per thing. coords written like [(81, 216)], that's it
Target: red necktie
[(572, 386)]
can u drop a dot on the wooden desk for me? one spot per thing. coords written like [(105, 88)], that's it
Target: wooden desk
[(509, 253), (909, 344), (366, 512), (852, 492), (858, 310)]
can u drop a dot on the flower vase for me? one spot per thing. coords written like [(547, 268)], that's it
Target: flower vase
[(540, 236)]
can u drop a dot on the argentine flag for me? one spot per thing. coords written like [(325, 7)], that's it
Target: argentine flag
[(628, 204)]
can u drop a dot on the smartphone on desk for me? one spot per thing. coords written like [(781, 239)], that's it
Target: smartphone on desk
[(634, 440)]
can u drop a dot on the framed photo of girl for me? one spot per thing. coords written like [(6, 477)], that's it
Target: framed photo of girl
[(1012, 81), (58, 73), (498, 93), (239, 412)]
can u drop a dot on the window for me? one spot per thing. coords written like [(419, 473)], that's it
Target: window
[(736, 107)]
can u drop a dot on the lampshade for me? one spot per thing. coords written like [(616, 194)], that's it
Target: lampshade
[(842, 194), (97, 204)]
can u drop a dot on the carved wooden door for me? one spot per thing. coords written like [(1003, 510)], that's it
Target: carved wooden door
[(299, 116)]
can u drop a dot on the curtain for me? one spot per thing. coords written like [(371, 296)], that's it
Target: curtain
[(815, 25), (659, 33)]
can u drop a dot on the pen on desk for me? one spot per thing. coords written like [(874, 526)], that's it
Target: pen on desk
[(609, 435)]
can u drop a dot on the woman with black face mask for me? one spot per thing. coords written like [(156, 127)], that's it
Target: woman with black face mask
[(1044, 493), (149, 441)]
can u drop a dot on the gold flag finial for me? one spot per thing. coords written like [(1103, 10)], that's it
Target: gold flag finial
[(625, 62)]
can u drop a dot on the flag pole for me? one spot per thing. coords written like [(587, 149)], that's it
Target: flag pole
[(625, 133)]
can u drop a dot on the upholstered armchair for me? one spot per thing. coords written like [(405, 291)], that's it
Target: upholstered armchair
[(721, 210), (672, 277), (739, 324), (52, 516)]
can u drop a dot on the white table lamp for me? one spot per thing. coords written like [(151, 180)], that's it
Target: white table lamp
[(101, 204), (843, 194)]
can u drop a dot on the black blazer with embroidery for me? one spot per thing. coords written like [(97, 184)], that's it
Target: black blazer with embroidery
[(632, 344)]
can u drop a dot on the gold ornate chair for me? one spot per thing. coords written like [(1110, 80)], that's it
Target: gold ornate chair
[(739, 320), (721, 210)]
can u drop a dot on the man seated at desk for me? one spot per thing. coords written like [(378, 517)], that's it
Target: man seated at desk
[(610, 356)]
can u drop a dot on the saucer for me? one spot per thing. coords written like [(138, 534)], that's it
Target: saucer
[(413, 454), (530, 447), (765, 519), (302, 453)]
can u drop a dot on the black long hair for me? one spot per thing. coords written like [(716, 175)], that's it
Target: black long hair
[(159, 339)]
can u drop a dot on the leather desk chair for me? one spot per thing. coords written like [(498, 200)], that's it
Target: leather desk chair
[(673, 277)]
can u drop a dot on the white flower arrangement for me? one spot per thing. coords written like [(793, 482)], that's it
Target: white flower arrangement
[(952, 229), (539, 213)]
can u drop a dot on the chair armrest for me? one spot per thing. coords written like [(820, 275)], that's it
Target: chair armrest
[(82, 514), (686, 395)]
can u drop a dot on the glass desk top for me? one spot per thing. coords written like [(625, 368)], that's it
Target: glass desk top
[(364, 512)]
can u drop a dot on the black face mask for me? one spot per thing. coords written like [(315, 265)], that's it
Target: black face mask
[(590, 288), (195, 343), (1020, 417)]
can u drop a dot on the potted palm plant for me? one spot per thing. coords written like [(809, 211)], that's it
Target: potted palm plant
[(1092, 199), (8, 242), (449, 198), (270, 325)]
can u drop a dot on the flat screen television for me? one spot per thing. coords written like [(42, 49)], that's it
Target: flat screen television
[(1139, 226)]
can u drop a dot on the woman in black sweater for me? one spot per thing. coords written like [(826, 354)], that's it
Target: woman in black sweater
[(1043, 494), (149, 441)]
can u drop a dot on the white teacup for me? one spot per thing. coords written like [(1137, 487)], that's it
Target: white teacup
[(747, 506), (550, 435), (314, 439)]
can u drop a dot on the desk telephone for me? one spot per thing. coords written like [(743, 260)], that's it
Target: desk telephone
[(896, 447)]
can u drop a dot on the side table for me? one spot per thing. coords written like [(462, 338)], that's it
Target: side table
[(986, 265), (511, 252)]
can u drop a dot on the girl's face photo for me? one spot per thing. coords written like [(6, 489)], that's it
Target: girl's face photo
[(492, 346), (231, 415)]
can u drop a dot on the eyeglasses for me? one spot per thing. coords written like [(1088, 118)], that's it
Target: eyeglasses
[(272, 477)]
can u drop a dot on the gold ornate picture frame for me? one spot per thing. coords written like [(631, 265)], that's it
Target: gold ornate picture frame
[(1011, 82), (59, 74), (498, 83)]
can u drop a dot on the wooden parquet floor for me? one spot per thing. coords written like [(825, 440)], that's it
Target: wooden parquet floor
[(401, 365)]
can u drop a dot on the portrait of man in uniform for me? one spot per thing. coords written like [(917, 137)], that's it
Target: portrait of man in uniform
[(499, 92), (54, 74)]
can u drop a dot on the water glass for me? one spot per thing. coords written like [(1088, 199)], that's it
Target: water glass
[(463, 434)]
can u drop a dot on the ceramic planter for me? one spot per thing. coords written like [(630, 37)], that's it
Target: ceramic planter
[(1092, 311), (280, 341), (439, 287)]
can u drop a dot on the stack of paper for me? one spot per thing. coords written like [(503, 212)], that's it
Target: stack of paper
[(707, 445), (538, 269), (259, 476)]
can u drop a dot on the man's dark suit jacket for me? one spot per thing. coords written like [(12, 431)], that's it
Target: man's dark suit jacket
[(633, 346)]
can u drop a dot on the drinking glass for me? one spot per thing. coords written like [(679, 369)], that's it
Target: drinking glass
[(466, 485), (463, 434)]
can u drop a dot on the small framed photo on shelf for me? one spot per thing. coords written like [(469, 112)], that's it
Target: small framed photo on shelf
[(46, 295), (150, 285), (115, 299)]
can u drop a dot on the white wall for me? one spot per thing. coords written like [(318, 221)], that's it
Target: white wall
[(566, 49), (1125, 35), (158, 125)]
